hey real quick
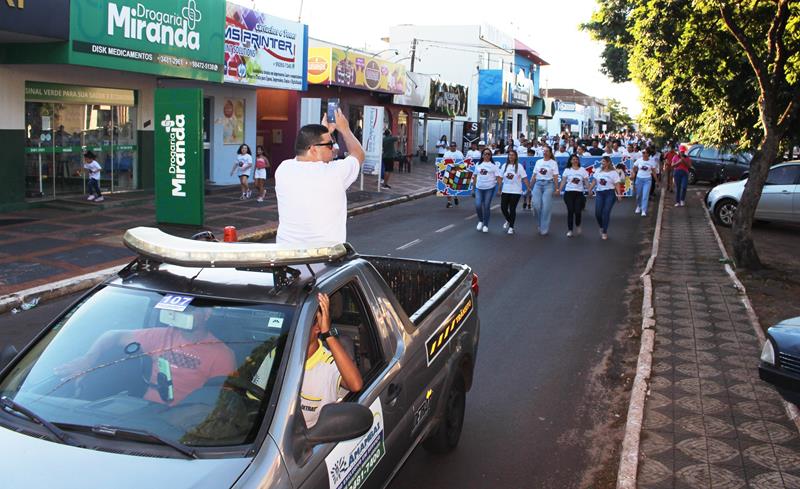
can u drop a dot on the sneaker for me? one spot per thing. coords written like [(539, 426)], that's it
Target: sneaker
[(577, 231), (677, 204), (449, 205), (249, 193), (455, 199), (644, 214), (604, 236), (91, 197), (683, 204), (242, 197), (259, 199), (524, 205), (569, 234), (638, 210), (485, 229), (510, 230), (479, 226), (545, 233), (505, 225), (386, 185), (99, 199)]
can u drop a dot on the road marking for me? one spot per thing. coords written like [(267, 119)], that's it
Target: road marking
[(495, 207), (449, 226), (409, 245), (471, 216)]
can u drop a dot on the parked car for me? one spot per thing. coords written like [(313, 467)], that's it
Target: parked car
[(780, 199), (780, 359), (715, 165), (123, 418)]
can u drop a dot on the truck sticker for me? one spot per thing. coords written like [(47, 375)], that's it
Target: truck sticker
[(447, 330), (173, 302), (421, 412), (351, 462)]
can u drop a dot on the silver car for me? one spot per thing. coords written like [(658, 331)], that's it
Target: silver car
[(780, 200)]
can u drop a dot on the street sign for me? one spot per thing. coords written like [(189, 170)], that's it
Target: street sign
[(179, 156)]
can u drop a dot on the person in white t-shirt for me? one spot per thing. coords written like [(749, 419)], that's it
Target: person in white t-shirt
[(312, 187), (484, 181), (473, 153), (606, 185), (643, 174), (94, 169), (454, 154), (242, 165), (545, 184), (441, 146), (574, 181), (513, 176), (330, 373), (562, 151)]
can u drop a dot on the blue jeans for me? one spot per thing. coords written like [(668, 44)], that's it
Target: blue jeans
[(681, 182), (603, 203), (94, 187), (483, 204), (643, 193), (542, 201)]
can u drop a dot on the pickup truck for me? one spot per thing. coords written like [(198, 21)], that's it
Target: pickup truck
[(94, 401)]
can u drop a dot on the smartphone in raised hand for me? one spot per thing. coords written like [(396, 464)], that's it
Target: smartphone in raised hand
[(333, 106)]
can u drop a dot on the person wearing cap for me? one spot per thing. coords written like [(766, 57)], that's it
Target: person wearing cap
[(94, 169), (681, 165), (454, 154)]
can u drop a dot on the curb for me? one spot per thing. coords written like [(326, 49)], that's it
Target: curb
[(82, 282), (791, 410), (629, 458)]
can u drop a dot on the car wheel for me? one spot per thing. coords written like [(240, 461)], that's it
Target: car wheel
[(444, 438), (692, 177), (724, 211)]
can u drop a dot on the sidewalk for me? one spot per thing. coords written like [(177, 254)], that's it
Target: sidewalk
[(709, 422), (73, 237)]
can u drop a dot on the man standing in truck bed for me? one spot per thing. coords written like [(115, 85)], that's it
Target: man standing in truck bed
[(312, 187)]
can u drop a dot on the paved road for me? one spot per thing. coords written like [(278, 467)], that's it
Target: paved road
[(549, 307)]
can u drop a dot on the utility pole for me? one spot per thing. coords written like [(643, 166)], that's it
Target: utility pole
[(413, 52)]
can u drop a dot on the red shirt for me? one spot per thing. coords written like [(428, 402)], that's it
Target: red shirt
[(192, 360), (669, 156), (681, 163)]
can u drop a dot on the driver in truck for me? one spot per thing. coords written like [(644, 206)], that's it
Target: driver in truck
[(330, 372)]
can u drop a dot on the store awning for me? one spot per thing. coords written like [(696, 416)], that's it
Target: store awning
[(573, 122)]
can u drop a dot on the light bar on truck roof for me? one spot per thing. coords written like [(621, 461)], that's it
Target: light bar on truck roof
[(162, 247)]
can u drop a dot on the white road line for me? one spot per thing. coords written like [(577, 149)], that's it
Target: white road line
[(495, 207), (409, 245), (470, 217), (449, 226)]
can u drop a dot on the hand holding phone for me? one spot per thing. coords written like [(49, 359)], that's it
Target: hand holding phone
[(333, 106)]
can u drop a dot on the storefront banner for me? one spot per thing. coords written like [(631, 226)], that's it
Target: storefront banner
[(179, 156), (504, 88), (180, 38), (68, 94), (264, 51), (449, 99), (333, 66), (566, 106), (472, 133), (418, 91), (373, 139), (454, 178)]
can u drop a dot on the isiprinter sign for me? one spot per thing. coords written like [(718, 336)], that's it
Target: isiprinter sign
[(182, 38), (179, 156)]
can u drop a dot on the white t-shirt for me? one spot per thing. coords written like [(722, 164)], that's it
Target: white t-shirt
[(441, 147), (644, 168), (561, 153), (245, 163), (574, 179), (486, 174), (474, 155), (545, 169), (512, 180), (94, 169), (453, 155), (312, 200), (321, 385), (606, 180)]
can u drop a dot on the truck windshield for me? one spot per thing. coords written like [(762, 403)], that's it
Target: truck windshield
[(189, 369)]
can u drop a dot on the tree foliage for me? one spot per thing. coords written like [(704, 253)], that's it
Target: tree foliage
[(619, 119)]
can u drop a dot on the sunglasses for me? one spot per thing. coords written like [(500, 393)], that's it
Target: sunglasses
[(329, 144)]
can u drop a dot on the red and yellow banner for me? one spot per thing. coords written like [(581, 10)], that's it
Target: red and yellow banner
[(332, 66)]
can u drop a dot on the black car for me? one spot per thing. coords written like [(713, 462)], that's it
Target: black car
[(718, 165), (780, 359)]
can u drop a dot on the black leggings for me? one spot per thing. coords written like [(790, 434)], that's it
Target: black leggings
[(575, 202), (508, 204)]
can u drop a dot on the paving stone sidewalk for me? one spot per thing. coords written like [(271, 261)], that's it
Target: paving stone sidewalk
[(72, 237), (709, 421)]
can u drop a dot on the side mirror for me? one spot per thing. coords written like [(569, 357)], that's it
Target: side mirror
[(339, 422), (6, 355)]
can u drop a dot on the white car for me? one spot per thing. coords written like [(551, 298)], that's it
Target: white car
[(780, 199)]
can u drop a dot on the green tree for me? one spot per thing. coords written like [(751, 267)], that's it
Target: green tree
[(722, 72), (618, 115)]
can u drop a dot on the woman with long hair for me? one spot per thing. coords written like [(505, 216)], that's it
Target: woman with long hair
[(644, 173), (243, 163), (608, 190), (513, 177), (545, 184), (485, 181), (574, 181), (261, 173)]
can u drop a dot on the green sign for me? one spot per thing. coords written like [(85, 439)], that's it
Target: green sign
[(179, 156), (181, 38), (53, 92)]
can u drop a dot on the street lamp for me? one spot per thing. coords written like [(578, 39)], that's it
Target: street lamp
[(385, 50)]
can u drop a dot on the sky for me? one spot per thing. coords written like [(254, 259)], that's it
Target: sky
[(550, 27)]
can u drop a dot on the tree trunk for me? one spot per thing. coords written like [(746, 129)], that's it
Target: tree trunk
[(744, 250)]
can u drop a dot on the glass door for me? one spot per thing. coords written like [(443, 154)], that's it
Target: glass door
[(68, 128), (123, 149), (39, 182)]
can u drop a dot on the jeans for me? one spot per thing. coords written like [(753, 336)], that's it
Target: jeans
[(575, 202), (543, 203), (94, 187), (483, 203), (603, 203), (508, 204), (681, 182), (643, 193)]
